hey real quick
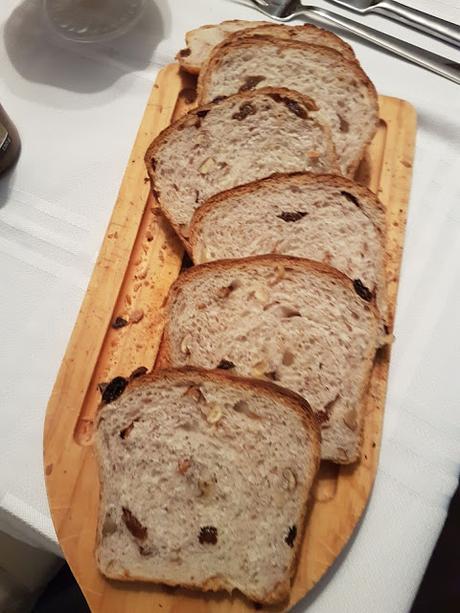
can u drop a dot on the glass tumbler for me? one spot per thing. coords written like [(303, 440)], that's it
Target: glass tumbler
[(92, 20)]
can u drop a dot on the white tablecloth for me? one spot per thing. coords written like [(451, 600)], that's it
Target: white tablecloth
[(77, 108)]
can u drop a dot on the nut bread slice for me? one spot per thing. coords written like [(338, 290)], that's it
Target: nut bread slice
[(201, 41), (299, 323), (204, 482), (341, 89), (242, 138), (325, 218)]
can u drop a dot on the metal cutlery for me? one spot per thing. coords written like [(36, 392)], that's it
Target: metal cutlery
[(286, 10), (428, 24)]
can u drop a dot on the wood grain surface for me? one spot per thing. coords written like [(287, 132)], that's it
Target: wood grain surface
[(139, 260)]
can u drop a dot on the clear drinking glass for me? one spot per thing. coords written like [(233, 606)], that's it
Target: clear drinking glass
[(92, 20)]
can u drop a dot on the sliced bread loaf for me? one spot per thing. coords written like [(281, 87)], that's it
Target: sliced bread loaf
[(299, 323), (325, 218), (201, 42), (242, 138), (344, 94), (204, 482)]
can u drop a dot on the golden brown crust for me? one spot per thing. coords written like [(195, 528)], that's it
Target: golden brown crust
[(297, 402), (161, 359), (369, 360), (196, 376), (298, 178), (259, 28), (249, 41), (347, 50), (155, 145), (195, 69), (269, 260), (163, 136), (190, 68), (272, 260), (214, 584)]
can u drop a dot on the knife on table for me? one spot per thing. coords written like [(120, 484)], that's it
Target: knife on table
[(428, 24)]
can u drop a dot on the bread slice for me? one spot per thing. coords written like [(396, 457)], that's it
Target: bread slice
[(201, 42), (204, 482), (299, 323), (346, 97), (242, 138), (325, 218)]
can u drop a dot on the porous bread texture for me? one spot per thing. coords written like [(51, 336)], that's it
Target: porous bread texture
[(299, 323), (325, 218), (201, 41), (245, 137), (344, 94), (204, 482)]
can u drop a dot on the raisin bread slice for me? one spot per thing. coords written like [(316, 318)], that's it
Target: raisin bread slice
[(341, 89), (299, 323), (204, 482), (242, 138), (325, 218), (201, 41)]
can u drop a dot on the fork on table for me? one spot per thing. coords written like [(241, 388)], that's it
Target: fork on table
[(286, 10), (428, 24)]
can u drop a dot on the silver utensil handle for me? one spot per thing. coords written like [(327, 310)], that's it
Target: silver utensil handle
[(446, 31), (431, 61)]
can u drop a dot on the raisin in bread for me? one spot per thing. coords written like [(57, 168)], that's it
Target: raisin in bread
[(242, 138), (204, 482), (299, 323), (344, 94), (320, 217), (201, 41)]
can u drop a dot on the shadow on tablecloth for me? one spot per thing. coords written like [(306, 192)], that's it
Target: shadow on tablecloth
[(40, 55), (439, 590)]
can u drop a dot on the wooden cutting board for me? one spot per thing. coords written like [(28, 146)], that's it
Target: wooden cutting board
[(139, 260)]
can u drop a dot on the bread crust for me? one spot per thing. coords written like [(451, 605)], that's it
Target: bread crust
[(259, 28), (193, 375), (216, 584), (242, 42), (286, 261), (263, 30), (194, 68), (301, 179), (271, 260), (196, 374), (294, 178), (179, 123)]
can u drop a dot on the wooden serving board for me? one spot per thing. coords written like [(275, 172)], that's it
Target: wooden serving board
[(139, 260)]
